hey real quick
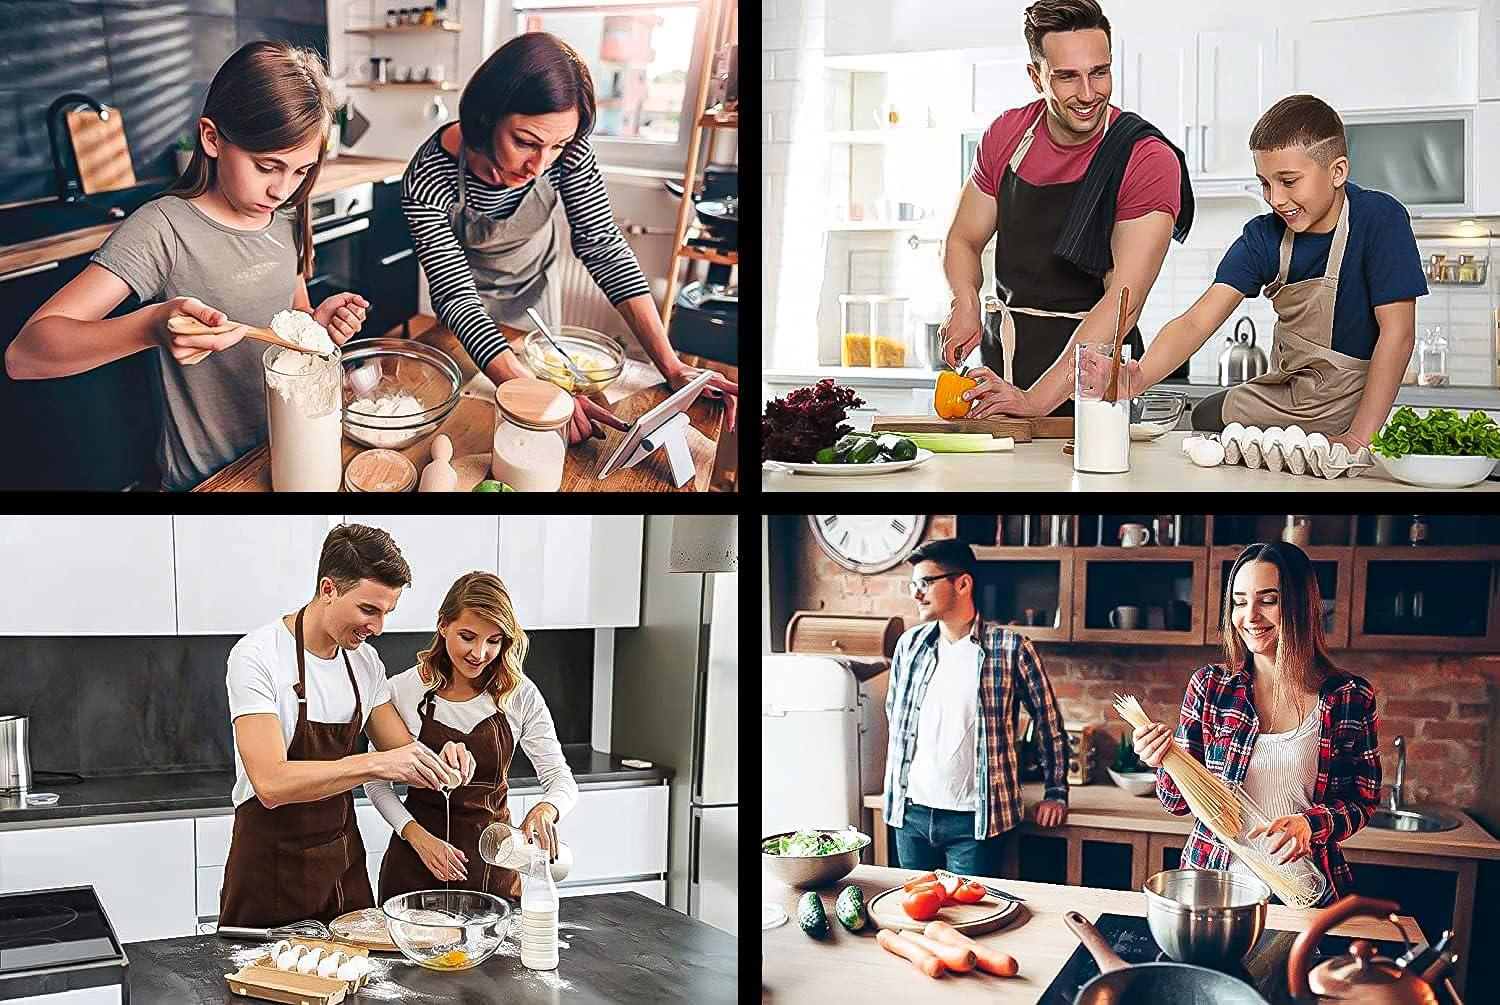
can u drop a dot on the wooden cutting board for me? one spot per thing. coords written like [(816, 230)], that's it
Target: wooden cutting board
[(1024, 430), (103, 155), (971, 919), (367, 929)]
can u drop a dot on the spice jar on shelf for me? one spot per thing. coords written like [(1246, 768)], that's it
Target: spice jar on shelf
[(1435, 266), (1468, 269)]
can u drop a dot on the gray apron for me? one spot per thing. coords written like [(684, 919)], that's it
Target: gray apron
[(513, 261), (1310, 383)]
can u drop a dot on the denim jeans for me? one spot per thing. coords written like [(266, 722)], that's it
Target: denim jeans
[(944, 839)]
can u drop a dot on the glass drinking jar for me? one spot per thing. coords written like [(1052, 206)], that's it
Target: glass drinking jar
[(530, 443), (304, 410)]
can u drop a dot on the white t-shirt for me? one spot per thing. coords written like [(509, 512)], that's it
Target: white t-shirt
[(530, 723), (942, 765), (263, 674), (1282, 772)]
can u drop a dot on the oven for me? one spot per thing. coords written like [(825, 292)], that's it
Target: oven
[(341, 226)]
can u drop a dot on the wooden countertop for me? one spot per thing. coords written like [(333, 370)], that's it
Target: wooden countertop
[(471, 427), (341, 172), (1041, 466), (1106, 805), (846, 966)]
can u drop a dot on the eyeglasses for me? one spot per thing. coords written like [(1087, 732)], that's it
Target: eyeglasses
[(919, 586)]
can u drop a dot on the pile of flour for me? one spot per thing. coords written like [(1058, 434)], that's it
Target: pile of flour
[(394, 411), (298, 327)]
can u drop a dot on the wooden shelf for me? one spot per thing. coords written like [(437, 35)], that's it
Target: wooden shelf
[(453, 26), (712, 121), (415, 85), (708, 255)]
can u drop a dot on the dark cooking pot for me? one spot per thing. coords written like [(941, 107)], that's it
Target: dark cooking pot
[(1121, 983), (720, 215)]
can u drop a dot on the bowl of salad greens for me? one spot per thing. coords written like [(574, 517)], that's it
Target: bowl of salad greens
[(1439, 450), (812, 857)]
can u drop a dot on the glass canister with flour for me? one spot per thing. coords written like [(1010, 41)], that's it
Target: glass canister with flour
[(1101, 429), (530, 442), (304, 409)]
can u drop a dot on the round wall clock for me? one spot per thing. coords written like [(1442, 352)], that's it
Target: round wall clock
[(868, 544)]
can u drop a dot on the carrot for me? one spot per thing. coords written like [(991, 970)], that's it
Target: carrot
[(990, 960), (956, 958), (892, 942)]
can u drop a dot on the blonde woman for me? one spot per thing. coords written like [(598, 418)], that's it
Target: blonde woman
[(468, 688)]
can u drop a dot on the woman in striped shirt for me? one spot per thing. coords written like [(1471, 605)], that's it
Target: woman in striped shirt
[(482, 197), (1279, 718)]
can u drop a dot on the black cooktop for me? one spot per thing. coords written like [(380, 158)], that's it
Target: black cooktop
[(1264, 967), (53, 941)]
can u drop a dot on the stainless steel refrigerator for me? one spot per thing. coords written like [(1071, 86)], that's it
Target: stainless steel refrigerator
[(676, 701)]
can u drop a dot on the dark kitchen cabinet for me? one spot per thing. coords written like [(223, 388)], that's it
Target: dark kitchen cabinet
[(1414, 598), (389, 267), (93, 431)]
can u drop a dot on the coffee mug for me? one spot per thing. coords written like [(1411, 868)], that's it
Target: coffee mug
[(1166, 530), (1133, 535), (1125, 618), (1156, 619)]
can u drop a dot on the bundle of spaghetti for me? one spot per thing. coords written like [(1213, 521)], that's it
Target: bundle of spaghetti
[(1213, 803)]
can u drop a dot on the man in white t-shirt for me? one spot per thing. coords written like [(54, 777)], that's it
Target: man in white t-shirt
[(300, 691)]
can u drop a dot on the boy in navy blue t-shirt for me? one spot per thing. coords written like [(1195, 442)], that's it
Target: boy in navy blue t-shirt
[(1341, 266)]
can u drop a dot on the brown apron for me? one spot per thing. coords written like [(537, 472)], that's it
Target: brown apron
[(1310, 384), (473, 807), (301, 860)]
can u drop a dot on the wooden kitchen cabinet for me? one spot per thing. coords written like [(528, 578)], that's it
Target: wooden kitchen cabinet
[(236, 573), (139, 869), (1010, 581), (1169, 580), (573, 571), (88, 575), (1335, 569), (439, 549), (1426, 598)]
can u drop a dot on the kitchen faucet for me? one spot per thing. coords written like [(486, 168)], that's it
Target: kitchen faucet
[(1400, 784), (64, 163)]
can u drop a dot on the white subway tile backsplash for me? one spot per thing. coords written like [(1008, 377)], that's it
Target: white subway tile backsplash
[(768, 66), (782, 96), (794, 33)]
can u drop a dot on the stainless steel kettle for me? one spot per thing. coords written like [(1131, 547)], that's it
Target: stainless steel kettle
[(15, 756), (1241, 359)]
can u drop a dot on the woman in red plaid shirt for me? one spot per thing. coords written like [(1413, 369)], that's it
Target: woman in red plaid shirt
[(1279, 718)]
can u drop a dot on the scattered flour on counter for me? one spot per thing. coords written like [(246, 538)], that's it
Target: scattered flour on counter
[(245, 957), (382, 987), (300, 328)]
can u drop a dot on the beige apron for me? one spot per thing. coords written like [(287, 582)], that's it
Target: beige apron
[(994, 305), (1310, 384)]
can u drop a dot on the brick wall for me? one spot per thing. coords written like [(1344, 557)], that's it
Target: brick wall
[(1444, 704)]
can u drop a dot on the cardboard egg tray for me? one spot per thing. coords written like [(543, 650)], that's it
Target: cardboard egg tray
[(1315, 460), (263, 980)]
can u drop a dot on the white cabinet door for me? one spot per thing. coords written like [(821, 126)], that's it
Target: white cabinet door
[(212, 836), (573, 571), (142, 871), (1160, 84), (86, 575), (1415, 59), (439, 549), (652, 889), (236, 573), (1236, 82), (617, 833), (210, 882)]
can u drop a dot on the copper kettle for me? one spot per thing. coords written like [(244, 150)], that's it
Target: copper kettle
[(1362, 975)]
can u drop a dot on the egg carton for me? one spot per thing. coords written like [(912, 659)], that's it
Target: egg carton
[(1276, 449)]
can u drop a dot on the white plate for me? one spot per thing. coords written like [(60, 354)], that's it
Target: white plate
[(877, 468), (1432, 471)]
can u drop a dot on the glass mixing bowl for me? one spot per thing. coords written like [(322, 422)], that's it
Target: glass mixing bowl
[(447, 929), (389, 368), (598, 356)]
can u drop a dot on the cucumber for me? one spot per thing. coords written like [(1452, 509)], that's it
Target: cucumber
[(826, 456), (850, 908), (897, 448), (864, 452), (810, 915)]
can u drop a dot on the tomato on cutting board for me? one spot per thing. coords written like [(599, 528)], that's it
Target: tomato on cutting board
[(923, 903)]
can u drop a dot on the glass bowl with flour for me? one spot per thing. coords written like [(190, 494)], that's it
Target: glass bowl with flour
[(303, 399), (397, 391)]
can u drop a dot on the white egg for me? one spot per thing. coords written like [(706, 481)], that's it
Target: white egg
[(1293, 436), (288, 959), (309, 963), (1207, 453), (1249, 435), (280, 948), (1188, 441), (1231, 432), (330, 964), (350, 971), (1316, 440), (1270, 436)]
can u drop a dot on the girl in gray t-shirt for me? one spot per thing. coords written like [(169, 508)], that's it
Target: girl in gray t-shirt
[(231, 239)]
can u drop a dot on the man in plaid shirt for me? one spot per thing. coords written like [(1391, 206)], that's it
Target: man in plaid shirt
[(958, 683)]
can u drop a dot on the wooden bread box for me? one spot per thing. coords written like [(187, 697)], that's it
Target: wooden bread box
[(865, 641)]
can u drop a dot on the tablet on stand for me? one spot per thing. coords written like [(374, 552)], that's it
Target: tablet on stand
[(664, 427)]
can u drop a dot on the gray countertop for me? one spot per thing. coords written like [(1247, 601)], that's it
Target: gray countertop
[(617, 947), (99, 799)]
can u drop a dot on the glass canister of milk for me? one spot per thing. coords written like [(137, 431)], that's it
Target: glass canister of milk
[(304, 410), (531, 434), (1101, 429)]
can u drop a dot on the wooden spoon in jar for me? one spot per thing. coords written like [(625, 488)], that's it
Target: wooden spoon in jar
[(1121, 313), (185, 325)]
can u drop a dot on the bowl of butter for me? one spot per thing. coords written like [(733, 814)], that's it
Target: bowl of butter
[(598, 357)]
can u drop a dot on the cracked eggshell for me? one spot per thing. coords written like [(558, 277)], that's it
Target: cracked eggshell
[(1207, 453)]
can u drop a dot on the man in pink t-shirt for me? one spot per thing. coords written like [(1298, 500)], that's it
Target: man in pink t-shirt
[(1081, 199)]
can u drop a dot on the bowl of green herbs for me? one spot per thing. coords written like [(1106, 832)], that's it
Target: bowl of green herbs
[(812, 857), (1439, 450)]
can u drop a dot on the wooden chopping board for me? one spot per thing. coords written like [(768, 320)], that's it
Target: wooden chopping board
[(1024, 430), (102, 152), (366, 929), (972, 919)]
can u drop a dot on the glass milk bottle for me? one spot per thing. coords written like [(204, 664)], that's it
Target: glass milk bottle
[(531, 430), (538, 914), (304, 410), (1101, 429)]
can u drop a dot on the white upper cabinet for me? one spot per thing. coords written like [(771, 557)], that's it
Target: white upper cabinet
[(573, 571), (236, 573), (1158, 81), (86, 575), (1417, 59), (439, 549)]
